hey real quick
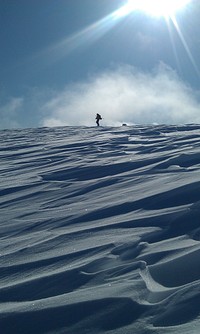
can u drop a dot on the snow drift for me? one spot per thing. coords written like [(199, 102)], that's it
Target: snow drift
[(100, 230)]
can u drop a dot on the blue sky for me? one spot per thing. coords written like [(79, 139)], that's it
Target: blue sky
[(61, 61)]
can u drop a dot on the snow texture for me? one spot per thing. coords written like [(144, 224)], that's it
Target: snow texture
[(100, 230)]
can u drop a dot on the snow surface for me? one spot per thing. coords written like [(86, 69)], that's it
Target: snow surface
[(100, 230)]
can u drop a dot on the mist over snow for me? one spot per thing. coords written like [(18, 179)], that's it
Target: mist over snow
[(99, 230), (9, 113), (122, 94), (125, 95)]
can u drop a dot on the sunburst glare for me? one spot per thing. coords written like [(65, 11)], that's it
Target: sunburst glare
[(164, 8)]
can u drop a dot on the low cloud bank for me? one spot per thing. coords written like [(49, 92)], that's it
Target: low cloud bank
[(125, 95), (9, 113), (122, 95)]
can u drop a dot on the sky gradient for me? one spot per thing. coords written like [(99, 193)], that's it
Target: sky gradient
[(62, 61)]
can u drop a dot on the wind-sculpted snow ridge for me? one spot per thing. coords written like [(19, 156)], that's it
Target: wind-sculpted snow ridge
[(100, 230)]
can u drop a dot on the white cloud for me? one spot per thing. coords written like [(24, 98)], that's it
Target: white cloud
[(122, 95), (125, 95), (9, 113)]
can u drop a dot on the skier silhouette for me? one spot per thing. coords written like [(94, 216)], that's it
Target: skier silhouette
[(98, 117)]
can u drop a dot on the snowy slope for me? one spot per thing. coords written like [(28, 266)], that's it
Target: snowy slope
[(100, 230)]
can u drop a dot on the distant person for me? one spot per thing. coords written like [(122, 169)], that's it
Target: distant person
[(98, 117)]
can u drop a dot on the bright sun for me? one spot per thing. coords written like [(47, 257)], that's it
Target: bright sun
[(153, 7)]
